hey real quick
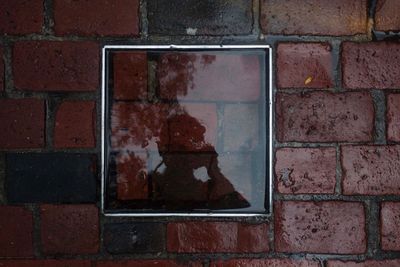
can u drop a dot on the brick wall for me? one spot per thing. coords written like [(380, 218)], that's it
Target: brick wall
[(337, 137)]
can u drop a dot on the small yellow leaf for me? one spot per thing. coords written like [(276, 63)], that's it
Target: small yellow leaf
[(308, 80)]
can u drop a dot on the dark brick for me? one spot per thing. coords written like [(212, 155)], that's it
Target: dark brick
[(69, 229), (192, 237), (393, 117), (325, 117), (75, 125), (19, 17), (1, 70), (306, 170), (390, 226), (22, 122), (371, 170), (320, 227), (56, 66), (149, 263), (374, 65), (304, 17), (367, 263), (45, 263), (304, 65), (386, 15), (125, 238), (50, 177), (219, 17), (16, 227), (264, 262), (81, 17)]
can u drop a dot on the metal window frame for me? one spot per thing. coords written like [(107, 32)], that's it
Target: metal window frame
[(186, 47)]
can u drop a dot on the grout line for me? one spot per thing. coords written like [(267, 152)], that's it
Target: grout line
[(372, 227), (48, 17)]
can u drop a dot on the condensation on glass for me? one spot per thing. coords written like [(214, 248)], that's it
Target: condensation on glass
[(186, 130)]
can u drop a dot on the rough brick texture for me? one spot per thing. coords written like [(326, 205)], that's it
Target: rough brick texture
[(367, 263), (325, 117), (56, 66), (111, 18), (69, 229), (19, 17), (149, 263), (264, 262), (371, 65), (393, 117), (190, 237), (45, 263), (390, 226), (75, 125), (304, 65), (386, 16), (1, 70), (22, 122), (305, 170), (16, 231), (320, 227), (371, 170), (314, 17)]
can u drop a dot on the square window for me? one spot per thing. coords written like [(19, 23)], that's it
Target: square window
[(186, 130)]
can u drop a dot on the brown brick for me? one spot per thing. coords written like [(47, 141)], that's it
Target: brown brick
[(367, 263), (18, 17), (264, 262), (306, 170), (56, 66), (191, 237), (393, 117), (371, 170), (314, 17), (1, 70), (69, 229), (22, 122), (148, 263), (390, 226), (16, 227), (374, 65), (320, 227), (386, 15), (45, 263), (325, 117), (304, 65)]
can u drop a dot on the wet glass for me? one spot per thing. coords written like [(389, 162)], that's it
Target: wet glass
[(186, 131)]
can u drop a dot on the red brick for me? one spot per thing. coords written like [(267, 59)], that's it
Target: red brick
[(393, 117), (304, 17), (325, 117), (367, 263), (320, 227), (45, 263), (306, 170), (18, 17), (130, 75), (69, 229), (81, 17), (371, 170), (23, 123), (264, 262), (16, 226), (304, 65), (190, 237), (148, 263), (1, 70), (56, 66), (374, 65), (75, 125), (390, 226), (192, 76), (386, 15)]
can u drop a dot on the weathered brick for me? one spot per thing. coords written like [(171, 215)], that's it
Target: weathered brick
[(19, 17), (1, 70), (45, 263), (370, 170), (393, 117), (390, 226), (367, 263), (320, 227), (56, 66), (386, 15), (125, 238), (23, 123), (149, 263), (50, 177), (306, 170), (111, 18), (130, 75), (325, 117), (264, 262), (75, 125), (374, 65), (220, 17), (304, 65), (189, 237), (69, 229), (16, 227), (303, 17)]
